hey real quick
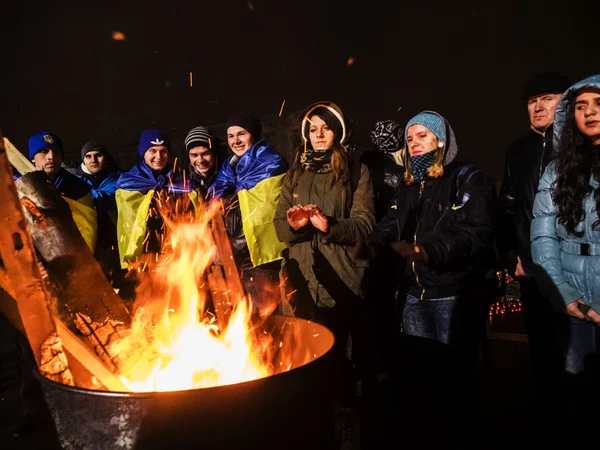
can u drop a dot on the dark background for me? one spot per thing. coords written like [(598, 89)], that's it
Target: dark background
[(63, 71)]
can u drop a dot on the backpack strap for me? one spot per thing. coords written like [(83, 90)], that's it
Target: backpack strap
[(465, 174), (467, 170)]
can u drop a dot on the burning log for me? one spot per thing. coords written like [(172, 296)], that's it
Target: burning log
[(22, 269), (218, 289), (225, 285), (25, 291), (17, 159), (230, 270), (97, 310)]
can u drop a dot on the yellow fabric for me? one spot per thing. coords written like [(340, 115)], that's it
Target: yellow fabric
[(84, 216), (258, 206), (197, 201), (132, 215)]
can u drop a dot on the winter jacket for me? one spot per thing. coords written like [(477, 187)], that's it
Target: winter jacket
[(526, 160), (202, 183), (570, 265), (452, 218), (351, 217), (326, 261)]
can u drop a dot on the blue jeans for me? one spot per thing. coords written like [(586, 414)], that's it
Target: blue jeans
[(431, 319), (583, 340)]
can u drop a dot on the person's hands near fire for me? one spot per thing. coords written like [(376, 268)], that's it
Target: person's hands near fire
[(299, 216), (410, 251), (317, 218)]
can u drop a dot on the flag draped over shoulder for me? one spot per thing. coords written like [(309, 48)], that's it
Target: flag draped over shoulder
[(76, 193), (135, 190), (257, 181)]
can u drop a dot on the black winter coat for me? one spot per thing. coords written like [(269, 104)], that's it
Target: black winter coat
[(452, 218), (526, 161)]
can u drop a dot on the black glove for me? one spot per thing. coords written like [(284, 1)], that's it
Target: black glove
[(410, 251)]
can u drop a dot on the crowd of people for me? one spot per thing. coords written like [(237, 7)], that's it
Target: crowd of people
[(403, 239)]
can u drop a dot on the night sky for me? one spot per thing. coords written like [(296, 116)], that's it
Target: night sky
[(63, 71)]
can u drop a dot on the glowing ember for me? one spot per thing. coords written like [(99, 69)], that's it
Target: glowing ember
[(118, 36), (175, 342)]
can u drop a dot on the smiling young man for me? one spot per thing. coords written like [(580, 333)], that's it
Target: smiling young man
[(526, 161), (201, 146), (137, 197), (249, 183)]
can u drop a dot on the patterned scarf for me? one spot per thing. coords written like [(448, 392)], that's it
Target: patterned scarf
[(419, 165), (318, 162)]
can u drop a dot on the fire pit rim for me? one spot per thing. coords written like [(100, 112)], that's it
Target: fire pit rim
[(129, 394)]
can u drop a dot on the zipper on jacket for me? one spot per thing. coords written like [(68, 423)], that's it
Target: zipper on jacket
[(542, 158), (415, 242)]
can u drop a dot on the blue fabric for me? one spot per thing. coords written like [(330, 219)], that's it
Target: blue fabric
[(42, 140), (419, 165), (103, 194), (566, 276), (151, 138), (69, 185), (573, 276), (583, 341), (260, 162), (430, 319), (142, 178)]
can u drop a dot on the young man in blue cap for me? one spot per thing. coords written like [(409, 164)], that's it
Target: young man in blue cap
[(140, 228), (46, 153)]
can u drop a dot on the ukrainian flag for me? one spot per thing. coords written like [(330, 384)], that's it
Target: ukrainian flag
[(256, 179)]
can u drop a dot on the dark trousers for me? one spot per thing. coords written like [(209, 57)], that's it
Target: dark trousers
[(543, 327)]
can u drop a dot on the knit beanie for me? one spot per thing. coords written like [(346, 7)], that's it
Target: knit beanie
[(199, 136), (42, 140), (151, 138), (247, 122), (387, 136), (93, 146), (545, 83), (432, 122)]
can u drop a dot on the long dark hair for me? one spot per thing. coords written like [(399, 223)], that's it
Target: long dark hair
[(339, 158), (576, 162)]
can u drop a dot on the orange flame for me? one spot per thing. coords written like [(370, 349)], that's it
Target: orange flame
[(175, 342)]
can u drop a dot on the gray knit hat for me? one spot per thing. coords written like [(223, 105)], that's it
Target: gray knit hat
[(199, 136), (93, 146)]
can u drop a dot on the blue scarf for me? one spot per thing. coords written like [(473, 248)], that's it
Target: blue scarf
[(259, 163), (142, 178), (419, 165)]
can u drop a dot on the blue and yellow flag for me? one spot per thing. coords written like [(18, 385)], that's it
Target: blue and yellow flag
[(257, 181)]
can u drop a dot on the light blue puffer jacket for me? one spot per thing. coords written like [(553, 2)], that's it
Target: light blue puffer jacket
[(565, 270)]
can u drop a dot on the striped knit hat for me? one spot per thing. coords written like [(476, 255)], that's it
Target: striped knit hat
[(199, 136)]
